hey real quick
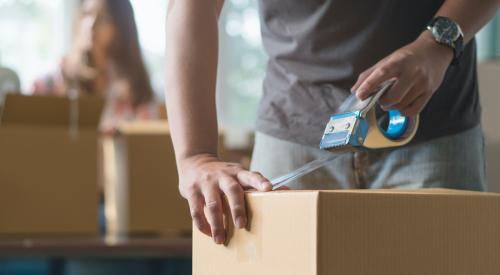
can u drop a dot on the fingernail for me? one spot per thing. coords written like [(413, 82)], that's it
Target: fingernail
[(240, 222), (264, 185), (219, 240)]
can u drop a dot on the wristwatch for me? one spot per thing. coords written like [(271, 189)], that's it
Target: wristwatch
[(447, 32)]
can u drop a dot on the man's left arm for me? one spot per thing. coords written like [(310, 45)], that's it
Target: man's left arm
[(420, 66)]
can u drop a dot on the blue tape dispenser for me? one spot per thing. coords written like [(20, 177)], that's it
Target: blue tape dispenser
[(358, 124)]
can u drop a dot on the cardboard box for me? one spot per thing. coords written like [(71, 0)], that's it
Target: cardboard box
[(48, 171), (141, 183), (385, 232)]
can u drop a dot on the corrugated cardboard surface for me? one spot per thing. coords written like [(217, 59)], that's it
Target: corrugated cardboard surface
[(409, 233), (360, 232), (48, 177), (147, 176), (281, 239)]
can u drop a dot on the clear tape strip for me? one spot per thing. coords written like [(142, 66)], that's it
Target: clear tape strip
[(301, 171)]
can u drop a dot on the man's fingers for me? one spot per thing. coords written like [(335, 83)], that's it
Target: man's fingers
[(379, 75), (397, 92), (416, 106), (254, 180), (413, 93), (361, 78), (235, 197), (196, 206), (213, 205)]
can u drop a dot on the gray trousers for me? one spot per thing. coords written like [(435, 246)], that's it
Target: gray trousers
[(455, 161)]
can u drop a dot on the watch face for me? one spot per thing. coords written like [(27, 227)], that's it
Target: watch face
[(445, 31)]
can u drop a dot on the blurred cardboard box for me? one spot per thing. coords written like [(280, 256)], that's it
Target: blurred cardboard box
[(141, 183), (48, 170), (433, 231), (489, 83), (236, 145)]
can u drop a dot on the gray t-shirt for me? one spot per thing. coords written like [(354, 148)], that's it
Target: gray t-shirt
[(317, 49)]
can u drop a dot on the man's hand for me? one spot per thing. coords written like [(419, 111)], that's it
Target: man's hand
[(204, 179), (418, 68)]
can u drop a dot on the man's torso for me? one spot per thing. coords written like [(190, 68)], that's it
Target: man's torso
[(317, 49)]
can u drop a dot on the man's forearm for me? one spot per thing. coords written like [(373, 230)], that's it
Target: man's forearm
[(420, 66), (470, 15), (204, 179), (191, 70)]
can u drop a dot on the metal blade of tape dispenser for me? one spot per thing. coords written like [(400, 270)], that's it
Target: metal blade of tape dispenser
[(352, 103)]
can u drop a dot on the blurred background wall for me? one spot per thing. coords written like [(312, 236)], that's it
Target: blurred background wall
[(38, 33), (35, 34), (489, 88)]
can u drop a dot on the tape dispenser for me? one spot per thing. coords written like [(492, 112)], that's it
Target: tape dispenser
[(358, 124), (362, 124)]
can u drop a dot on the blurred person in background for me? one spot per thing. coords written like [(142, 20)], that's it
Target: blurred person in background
[(105, 60)]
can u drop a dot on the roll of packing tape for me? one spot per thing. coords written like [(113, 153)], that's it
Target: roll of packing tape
[(400, 130)]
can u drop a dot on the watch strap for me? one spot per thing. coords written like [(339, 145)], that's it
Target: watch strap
[(458, 49)]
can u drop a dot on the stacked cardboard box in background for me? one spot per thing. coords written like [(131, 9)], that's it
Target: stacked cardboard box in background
[(386, 232), (48, 170), (141, 183)]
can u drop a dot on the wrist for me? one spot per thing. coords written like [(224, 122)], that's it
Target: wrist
[(427, 41), (196, 158)]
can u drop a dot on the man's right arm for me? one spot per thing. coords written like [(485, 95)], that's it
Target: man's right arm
[(191, 71)]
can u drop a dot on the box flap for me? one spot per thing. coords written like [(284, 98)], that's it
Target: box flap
[(423, 191), (149, 127), (50, 111), (429, 231)]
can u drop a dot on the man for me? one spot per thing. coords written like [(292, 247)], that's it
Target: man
[(319, 51)]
